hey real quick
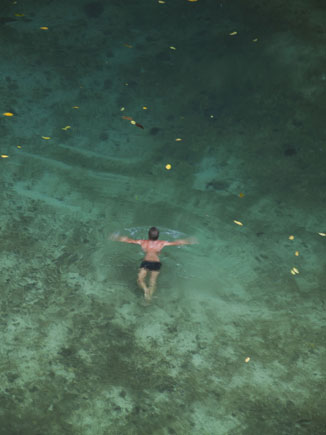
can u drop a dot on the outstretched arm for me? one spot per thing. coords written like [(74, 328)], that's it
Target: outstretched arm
[(125, 239), (179, 242)]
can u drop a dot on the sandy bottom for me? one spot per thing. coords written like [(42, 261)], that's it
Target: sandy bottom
[(232, 338)]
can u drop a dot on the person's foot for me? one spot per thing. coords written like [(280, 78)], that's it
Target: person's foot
[(147, 295), (147, 300)]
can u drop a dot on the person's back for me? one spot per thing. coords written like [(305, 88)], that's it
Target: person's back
[(152, 248)]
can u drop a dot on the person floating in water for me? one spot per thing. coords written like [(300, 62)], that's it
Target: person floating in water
[(152, 247)]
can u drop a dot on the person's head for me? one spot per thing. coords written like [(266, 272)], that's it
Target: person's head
[(153, 233)]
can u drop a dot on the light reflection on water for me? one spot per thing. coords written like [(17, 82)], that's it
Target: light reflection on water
[(142, 232)]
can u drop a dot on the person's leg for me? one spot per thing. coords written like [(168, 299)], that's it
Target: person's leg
[(140, 280), (152, 282)]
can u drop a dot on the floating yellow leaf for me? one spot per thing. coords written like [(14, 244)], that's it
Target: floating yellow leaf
[(238, 223), (291, 237), (233, 33), (4, 156), (122, 109), (297, 253), (66, 127), (178, 139), (294, 271), (44, 28), (8, 114), (322, 234), (75, 107), (255, 40), (161, 1), (19, 146), (132, 122), (168, 167), (46, 137), (247, 359), (192, 1), (172, 47), (19, 15), (241, 195), (144, 107)]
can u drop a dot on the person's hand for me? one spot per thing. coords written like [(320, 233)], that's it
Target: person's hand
[(114, 237)]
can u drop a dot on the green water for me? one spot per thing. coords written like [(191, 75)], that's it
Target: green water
[(234, 340)]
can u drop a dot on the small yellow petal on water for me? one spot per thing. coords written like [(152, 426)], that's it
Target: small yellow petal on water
[(161, 1), (322, 234), (19, 146), (192, 1), (238, 223), (122, 109), (178, 139), (8, 114), (4, 156), (233, 33), (19, 15), (291, 237), (144, 107), (66, 127), (255, 40), (132, 122), (168, 167), (241, 195), (297, 253), (172, 47), (292, 271), (75, 107), (46, 137), (44, 28), (295, 270), (247, 359)]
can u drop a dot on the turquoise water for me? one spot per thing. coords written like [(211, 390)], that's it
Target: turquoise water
[(234, 340)]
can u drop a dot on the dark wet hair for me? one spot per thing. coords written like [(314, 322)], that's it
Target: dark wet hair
[(153, 233)]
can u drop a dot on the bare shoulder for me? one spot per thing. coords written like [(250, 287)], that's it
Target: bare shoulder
[(165, 243), (162, 243)]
